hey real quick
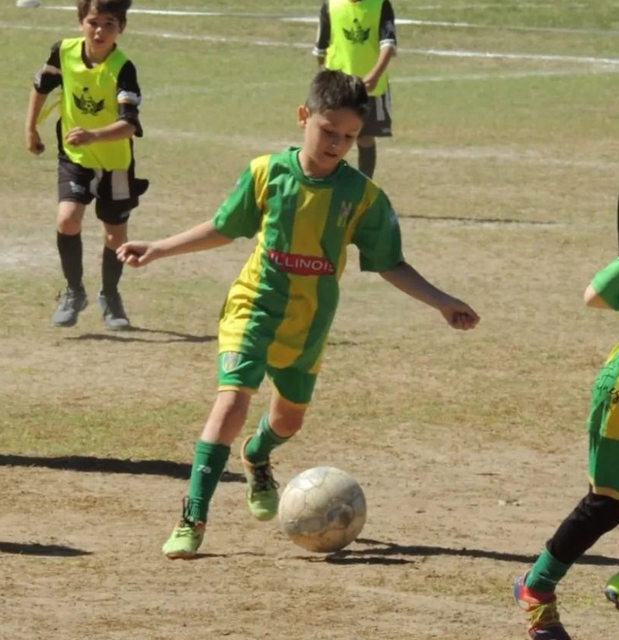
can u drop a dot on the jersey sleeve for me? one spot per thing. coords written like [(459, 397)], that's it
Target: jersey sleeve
[(387, 26), (129, 97), (323, 37), (50, 75), (240, 214), (606, 283), (378, 237)]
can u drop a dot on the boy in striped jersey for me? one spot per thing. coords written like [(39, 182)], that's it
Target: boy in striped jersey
[(597, 513), (305, 206)]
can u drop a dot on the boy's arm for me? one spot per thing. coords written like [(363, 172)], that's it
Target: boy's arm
[(34, 144), (119, 130), (603, 290), (457, 313), (388, 45), (323, 38), (200, 238)]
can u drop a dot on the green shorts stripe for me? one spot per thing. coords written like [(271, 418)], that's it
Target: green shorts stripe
[(237, 370)]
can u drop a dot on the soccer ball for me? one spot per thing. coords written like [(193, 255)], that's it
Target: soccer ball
[(322, 509)]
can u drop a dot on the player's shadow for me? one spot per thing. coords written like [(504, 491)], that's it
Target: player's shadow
[(35, 549), (387, 553), (93, 464), (142, 334)]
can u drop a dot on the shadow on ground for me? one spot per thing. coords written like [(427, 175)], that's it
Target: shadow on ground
[(92, 464), (386, 553), (34, 549)]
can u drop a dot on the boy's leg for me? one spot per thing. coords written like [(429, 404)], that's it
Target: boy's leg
[(111, 271), (291, 395), (69, 242), (366, 147), (211, 453)]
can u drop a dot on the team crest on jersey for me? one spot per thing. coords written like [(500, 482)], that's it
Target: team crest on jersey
[(87, 105), (345, 214), (357, 35), (301, 265)]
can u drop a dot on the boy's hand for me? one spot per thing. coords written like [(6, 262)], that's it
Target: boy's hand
[(137, 254), (459, 315), (370, 82), (78, 136), (34, 144)]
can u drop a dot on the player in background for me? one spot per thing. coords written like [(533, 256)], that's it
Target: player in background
[(359, 37), (99, 116), (304, 206), (598, 511)]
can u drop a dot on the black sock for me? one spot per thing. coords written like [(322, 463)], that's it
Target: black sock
[(594, 516), (111, 270), (367, 160), (70, 251)]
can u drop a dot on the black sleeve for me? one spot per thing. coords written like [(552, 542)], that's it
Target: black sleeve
[(323, 38), (129, 97), (387, 25), (50, 75)]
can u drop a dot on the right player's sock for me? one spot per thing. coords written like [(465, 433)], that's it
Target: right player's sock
[(546, 573), (367, 160), (259, 447), (70, 250), (111, 270), (208, 464)]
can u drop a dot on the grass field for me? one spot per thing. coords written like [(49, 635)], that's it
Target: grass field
[(471, 447)]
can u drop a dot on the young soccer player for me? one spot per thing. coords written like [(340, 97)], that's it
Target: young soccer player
[(358, 37), (598, 512), (305, 206), (99, 103)]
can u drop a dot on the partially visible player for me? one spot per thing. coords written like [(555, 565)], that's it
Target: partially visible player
[(598, 511), (99, 116), (304, 206), (359, 37)]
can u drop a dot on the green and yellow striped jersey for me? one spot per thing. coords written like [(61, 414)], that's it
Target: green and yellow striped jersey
[(281, 306)]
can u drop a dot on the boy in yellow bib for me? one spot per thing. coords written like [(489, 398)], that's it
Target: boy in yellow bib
[(99, 116), (358, 37), (304, 207)]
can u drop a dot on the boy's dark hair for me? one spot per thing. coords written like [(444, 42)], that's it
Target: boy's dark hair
[(116, 8), (337, 90)]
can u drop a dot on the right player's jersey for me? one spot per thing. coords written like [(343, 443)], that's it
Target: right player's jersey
[(351, 35), (93, 96), (281, 307)]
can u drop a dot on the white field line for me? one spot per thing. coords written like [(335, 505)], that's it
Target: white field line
[(399, 21), (296, 45), (456, 154)]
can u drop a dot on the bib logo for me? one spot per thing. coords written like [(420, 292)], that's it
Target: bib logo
[(357, 35), (87, 105), (301, 265)]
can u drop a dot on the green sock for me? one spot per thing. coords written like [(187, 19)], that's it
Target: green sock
[(263, 442), (209, 462), (546, 573)]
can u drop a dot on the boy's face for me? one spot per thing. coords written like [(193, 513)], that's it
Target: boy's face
[(101, 31), (328, 137)]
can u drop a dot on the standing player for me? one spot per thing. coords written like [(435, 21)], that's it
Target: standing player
[(598, 512), (98, 119), (358, 37), (305, 206)]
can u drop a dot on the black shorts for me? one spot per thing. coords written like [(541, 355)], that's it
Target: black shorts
[(378, 121), (116, 192)]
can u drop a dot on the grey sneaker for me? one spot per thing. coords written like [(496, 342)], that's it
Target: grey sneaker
[(71, 302), (113, 311)]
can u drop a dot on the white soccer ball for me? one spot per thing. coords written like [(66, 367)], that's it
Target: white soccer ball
[(323, 509)]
